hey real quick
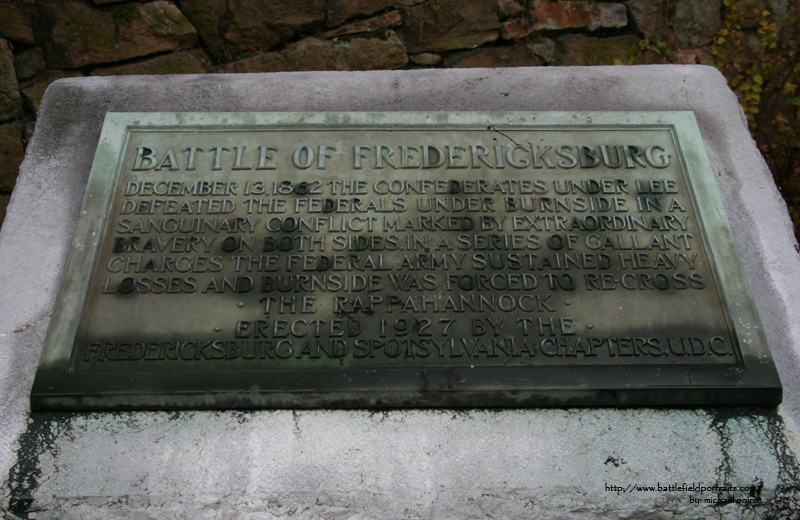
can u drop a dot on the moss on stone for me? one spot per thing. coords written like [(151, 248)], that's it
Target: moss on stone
[(125, 12), (182, 26), (81, 35)]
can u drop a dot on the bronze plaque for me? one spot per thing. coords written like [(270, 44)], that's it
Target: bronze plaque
[(403, 259)]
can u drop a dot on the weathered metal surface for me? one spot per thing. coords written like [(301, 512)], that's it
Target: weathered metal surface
[(403, 259)]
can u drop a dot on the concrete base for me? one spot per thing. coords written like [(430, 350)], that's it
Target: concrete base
[(531, 463)]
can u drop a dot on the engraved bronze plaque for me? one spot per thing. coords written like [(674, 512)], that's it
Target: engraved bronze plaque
[(403, 259)]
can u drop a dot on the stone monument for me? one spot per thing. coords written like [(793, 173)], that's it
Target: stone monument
[(421, 463)]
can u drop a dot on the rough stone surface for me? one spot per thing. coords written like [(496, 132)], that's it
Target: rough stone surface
[(650, 17), (82, 35), (184, 62), (694, 21), (577, 49), (390, 19), (339, 11), (545, 48), (544, 15), (698, 56), (547, 15), (449, 24), (262, 62), (270, 22), (515, 29), (29, 63), (11, 154), (10, 100), (527, 463), (383, 51), (309, 54), (510, 7), (779, 7), (17, 24), (205, 16), (511, 56), (33, 89), (236, 25), (426, 58)]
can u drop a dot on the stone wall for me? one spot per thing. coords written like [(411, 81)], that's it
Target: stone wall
[(45, 40)]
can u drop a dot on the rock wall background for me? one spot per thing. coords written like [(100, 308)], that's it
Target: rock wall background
[(45, 40)]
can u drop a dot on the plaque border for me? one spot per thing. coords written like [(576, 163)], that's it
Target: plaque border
[(753, 380)]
